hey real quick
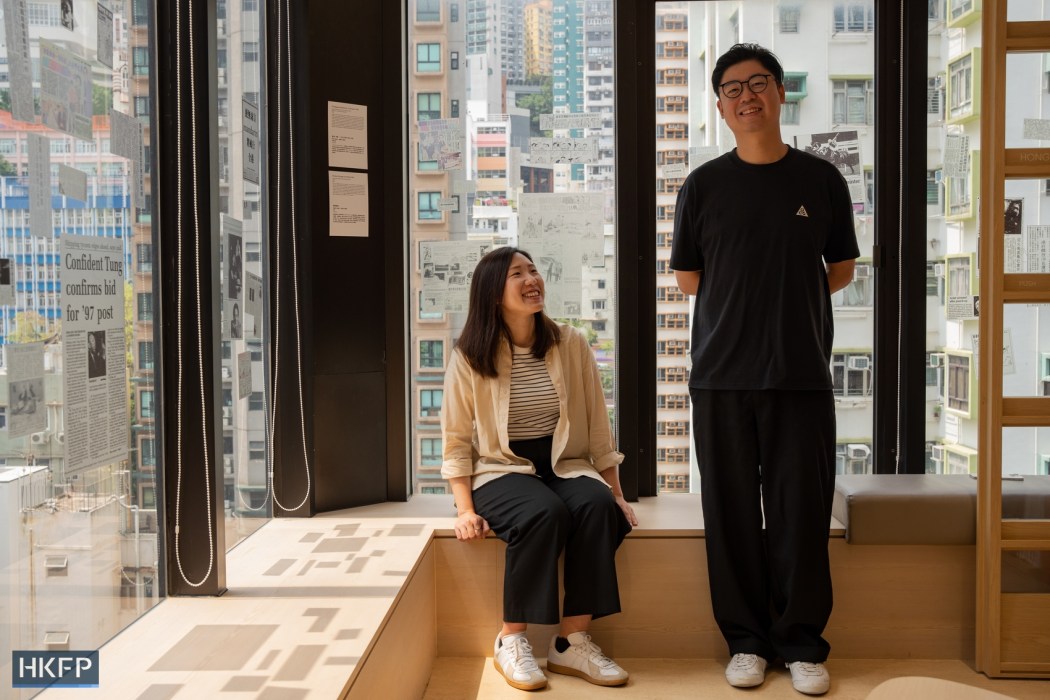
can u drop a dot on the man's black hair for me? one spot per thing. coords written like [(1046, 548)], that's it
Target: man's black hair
[(738, 53)]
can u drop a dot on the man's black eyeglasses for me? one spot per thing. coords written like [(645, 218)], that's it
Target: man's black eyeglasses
[(757, 82)]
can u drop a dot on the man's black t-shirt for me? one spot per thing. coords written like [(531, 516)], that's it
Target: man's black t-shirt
[(761, 235)]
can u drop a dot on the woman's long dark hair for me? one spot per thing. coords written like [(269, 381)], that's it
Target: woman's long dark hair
[(485, 330)]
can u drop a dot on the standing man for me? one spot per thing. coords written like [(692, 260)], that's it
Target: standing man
[(763, 236)]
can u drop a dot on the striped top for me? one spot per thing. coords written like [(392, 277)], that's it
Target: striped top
[(534, 407)]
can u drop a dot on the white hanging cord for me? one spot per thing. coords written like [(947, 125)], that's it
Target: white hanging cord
[(197, 267), (900, 237), (295, 258), (277, 273), (277, 267)]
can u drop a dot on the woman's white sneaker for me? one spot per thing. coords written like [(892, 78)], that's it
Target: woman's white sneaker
[(512, 656), (584, 658), (746, 670), (809, 678)]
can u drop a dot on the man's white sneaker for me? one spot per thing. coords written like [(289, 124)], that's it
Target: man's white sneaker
[(746, 670), (584, 658), (809, 678), (513, 659)]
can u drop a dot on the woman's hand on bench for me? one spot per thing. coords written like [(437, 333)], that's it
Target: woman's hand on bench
[(471, 526)]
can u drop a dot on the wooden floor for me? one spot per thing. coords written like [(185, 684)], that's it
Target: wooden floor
[(668, 679)]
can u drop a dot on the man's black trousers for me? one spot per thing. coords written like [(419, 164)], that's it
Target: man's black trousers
[(770, 452)]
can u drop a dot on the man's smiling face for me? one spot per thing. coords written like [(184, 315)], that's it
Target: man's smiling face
[(751, 112)]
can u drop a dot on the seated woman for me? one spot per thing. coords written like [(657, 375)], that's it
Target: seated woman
[(529, 453)]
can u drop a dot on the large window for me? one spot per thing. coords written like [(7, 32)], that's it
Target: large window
[(242, 296), (952, 191), (490, 171), (477, 167), (77, 335), (831, 120)]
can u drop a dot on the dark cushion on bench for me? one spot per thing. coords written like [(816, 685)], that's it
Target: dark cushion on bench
[(907, 508), (927, 508)]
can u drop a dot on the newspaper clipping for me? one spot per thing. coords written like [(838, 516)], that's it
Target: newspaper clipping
[(956, 157), (27, 410), (127, 141), (962, 308), (447, 268), (105, 36), (441, 141), (40, 186), (65, 91), (94, 352), (1039, 248), (250, 126), (563, 150), (244, 375), (841, 149), (253, 303), (20, 64), (571, 120), (1013, 220), (233, 311), (72, 182), (698, 155), (563, 233)]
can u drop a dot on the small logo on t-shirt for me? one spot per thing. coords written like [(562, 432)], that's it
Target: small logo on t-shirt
[(801, 212)]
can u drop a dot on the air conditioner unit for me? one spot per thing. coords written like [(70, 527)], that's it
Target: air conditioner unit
[(938, 269), (859, 362), (39, 438), (60, 438), (862, 272), (937, 453), (857, 451), (936, 359)]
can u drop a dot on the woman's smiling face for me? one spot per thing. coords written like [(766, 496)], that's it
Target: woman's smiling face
[(523, 290)]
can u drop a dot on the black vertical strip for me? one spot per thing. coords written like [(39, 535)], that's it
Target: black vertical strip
[(398, 305), (636, 246), (343, 278), (290, 480), (913, 372), (201, 431), (161, 251), (900, 308), (887, 235)]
